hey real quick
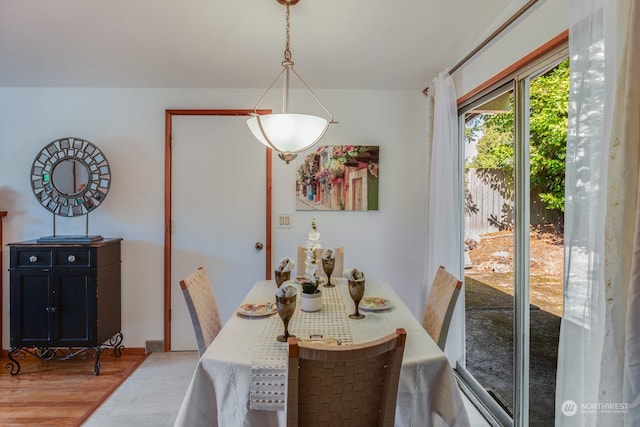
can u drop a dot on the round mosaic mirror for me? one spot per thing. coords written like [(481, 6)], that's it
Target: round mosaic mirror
[(70, 177)]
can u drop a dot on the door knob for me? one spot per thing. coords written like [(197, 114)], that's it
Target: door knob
[(259, 246)]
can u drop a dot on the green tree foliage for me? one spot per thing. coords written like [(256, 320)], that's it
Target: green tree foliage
[(549, 103)]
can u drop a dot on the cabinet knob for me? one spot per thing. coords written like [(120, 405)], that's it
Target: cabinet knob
[(51, 309), (71, 258), (33, 258)]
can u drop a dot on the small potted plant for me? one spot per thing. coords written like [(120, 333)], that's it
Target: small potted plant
[(311, 296)]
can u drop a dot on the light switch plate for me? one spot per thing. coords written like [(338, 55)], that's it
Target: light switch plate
[(284, 220)]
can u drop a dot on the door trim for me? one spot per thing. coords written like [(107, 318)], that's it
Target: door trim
[(168, 125)]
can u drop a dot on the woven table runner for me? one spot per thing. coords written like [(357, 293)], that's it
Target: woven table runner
[(269, 362)]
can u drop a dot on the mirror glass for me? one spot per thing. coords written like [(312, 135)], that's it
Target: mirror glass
[(70, 177)]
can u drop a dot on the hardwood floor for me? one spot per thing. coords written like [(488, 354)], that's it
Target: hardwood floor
[(60, 393)]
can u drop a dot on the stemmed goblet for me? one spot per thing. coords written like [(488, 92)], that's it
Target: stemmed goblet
[(281, 277), (356, 290), (327, 265), (286, 307)]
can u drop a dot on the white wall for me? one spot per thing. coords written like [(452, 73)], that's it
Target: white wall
[(128, 126), (541, 23)]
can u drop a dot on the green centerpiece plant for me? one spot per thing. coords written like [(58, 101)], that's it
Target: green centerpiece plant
[(310, 287)]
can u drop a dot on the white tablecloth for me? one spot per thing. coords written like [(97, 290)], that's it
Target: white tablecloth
[(220, 388), (269, 364)]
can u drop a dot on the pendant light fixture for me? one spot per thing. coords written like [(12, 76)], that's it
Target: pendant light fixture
[(288, 133)]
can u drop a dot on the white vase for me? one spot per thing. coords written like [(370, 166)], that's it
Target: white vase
[(311, 302)]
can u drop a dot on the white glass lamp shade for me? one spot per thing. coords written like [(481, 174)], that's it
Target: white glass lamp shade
[(288, 132)]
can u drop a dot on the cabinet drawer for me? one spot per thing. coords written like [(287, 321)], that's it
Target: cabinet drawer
[(72, 257), (32, 258)]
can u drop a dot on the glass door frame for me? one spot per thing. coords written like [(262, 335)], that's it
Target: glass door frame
[(519, 83), (471, 386)]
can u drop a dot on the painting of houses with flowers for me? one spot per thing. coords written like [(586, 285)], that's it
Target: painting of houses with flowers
[(338, 177)]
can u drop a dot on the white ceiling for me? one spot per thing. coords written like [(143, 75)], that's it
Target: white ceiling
[(358, 44)]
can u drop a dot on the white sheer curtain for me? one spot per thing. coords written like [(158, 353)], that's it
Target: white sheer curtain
[(623, 230), (600, 224), (582, 327), (444, 210)]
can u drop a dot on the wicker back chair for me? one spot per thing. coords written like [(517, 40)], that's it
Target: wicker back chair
[(202, 306), (338, 266), (441, 302), (344, 385)]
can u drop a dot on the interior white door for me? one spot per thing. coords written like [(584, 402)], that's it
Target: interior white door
[(218, 211)]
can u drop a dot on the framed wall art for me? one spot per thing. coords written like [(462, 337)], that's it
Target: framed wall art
[(338, 178)]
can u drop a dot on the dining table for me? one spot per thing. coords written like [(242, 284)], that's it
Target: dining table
[(241, 378)]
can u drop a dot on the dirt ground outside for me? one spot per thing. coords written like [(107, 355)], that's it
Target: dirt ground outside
[(489, 317)]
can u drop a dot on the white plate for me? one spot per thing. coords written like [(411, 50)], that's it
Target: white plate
[(375, 303), (258, 310)]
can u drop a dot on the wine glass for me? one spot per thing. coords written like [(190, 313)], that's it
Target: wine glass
[(327, 265), (286, 307), (281, 277), (356, 290)]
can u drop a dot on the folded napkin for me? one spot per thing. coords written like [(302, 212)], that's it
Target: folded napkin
[(285, 265), (287, 290), (328, 254), (353, 274), (319, 340)]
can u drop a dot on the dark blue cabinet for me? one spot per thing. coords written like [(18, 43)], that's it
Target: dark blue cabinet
[(65, 300)]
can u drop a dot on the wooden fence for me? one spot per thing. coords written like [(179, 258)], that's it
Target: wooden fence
[(488, 204)]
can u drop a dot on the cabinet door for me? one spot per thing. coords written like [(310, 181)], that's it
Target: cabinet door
[(31, 313), (75, 299)]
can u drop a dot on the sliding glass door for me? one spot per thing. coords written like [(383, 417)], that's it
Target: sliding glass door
[(489, 245), (548, 95), (515, 140)]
